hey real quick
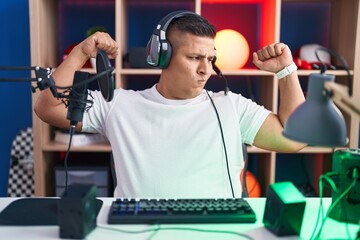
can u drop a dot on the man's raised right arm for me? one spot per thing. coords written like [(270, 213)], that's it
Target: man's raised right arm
[(53, 111)]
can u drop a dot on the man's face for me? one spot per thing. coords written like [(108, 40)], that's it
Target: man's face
[(190, 66)]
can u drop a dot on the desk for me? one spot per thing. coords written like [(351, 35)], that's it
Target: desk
[(331, 230)]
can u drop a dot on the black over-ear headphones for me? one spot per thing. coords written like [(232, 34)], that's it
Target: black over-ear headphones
[(159, 48)]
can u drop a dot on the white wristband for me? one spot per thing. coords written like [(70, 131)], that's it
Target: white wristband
[(286, 71)]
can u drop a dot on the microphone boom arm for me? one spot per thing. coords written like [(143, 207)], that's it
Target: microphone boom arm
[(43, 78), (70, 95)]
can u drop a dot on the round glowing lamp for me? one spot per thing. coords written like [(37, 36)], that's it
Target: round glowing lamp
[(232, 49)]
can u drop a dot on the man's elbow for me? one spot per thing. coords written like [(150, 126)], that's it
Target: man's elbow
[(294, 147), (45, 108), (40, 110)]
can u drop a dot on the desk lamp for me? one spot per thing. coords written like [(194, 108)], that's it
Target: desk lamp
[(318, 122)]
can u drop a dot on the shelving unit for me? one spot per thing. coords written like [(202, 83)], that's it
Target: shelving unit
[(344, 37)]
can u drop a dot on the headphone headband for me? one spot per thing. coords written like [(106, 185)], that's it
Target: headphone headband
[(165, 21)]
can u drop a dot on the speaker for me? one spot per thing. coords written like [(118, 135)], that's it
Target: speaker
[(346, 163), (284, 209), (77, 211), (159, 49)]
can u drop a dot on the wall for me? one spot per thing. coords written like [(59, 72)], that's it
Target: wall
[(15, 97)]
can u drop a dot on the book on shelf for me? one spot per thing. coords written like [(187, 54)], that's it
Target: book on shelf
[(80, 139)]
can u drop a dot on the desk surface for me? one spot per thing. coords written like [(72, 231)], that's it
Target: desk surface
[(332, 229)]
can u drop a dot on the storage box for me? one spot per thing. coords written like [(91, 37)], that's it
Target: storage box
[(98, 176)]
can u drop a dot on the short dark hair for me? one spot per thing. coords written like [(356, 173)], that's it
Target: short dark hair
[(194, 24)]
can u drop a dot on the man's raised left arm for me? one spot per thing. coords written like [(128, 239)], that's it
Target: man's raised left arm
[(277, 58)]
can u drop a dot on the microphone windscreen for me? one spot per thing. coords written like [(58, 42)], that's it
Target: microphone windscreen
[(106, 82)]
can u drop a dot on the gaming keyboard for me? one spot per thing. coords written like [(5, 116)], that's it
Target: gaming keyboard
[(156, 211)]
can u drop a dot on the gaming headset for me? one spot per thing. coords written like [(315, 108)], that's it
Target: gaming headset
[(159, 49)]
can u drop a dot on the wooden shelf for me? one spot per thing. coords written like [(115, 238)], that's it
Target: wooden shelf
[(130, 71), (344, 37), (333, 72), (316, 150), (253, 149), (59, 147), (240, 72)]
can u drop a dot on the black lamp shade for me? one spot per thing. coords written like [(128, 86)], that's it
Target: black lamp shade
[(317, 122)]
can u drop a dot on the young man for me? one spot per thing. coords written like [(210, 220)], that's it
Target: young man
[(177, 140)]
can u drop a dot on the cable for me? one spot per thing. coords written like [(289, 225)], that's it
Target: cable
[(153, 233), (333, 205), (224, 144), (159, 228), (321, 208), (338, 57), (250, 88), (71, 133), (245, 192)]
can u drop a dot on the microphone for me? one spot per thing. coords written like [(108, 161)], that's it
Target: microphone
[(106, 82), (77, 98), (220, 75)]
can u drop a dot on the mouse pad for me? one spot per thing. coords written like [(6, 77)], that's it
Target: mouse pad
[(34, 211)]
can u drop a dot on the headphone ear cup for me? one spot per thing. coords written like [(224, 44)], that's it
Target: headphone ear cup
[(158, 49), (165, 54), (158, 52), (148, 47), (153, 51)]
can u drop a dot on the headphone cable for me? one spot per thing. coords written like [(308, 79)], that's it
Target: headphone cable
[(223, 141)]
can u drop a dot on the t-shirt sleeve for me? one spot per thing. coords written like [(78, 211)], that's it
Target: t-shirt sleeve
[(94, 118), (251, 117)]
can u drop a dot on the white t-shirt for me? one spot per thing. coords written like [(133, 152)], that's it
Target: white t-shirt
[(173, 148)]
